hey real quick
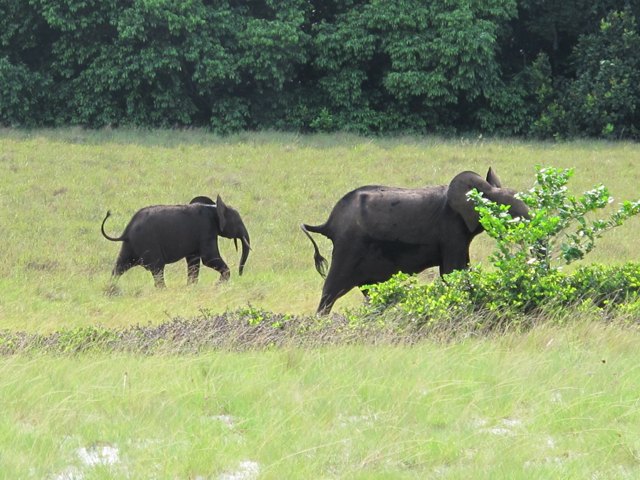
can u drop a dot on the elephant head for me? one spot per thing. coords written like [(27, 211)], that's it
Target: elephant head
[(230, 225), (491, 188)]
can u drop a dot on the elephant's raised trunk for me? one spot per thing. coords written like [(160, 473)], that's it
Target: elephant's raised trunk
[(246, 246)]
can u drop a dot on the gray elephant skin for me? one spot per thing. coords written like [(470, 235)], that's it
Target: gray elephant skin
[(163, 234), (378, 231)]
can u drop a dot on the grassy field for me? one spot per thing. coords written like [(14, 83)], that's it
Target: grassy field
[(55, 187), (555, 402)]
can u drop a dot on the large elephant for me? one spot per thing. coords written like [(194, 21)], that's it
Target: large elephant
[(378, 231), (163, 234)]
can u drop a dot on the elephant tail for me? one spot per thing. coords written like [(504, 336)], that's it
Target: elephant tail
[(320, 261), (104, 234)]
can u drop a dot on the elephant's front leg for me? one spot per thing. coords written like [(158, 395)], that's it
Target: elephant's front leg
[(454, 259), (153, 261), (218, 265), (193, 269), (211, 258), (365, 294)]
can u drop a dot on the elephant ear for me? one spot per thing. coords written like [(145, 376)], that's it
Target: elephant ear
[(457, 196), (492, 179), (221, 208)]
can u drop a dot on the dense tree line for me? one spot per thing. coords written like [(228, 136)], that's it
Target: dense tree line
[(516, 67)]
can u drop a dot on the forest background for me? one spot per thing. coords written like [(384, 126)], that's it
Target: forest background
[(532, 68)]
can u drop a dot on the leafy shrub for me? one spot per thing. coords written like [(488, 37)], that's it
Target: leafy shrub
[(602, 101), (21, 95), (526, 275)]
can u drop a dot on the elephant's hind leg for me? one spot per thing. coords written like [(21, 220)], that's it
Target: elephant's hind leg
[(327, 301), (126, 259), (193, 269), (153, 261), (334, 287), (341, 278)]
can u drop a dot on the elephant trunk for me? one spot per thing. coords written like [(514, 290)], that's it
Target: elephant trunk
[(246, 246)]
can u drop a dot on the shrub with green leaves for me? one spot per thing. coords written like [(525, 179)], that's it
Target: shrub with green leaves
[(527, 273), (602, 100), (560, 227)]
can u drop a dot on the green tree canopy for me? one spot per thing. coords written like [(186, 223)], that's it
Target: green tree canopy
[(524, 67)]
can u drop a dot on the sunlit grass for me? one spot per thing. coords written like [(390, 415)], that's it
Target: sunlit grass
[(55, 187), (553, 403)]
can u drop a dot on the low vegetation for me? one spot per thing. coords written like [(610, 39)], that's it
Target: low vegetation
[(524, 286)]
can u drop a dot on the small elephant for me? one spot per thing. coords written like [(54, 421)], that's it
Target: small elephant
[(378, 231), (163, 234)]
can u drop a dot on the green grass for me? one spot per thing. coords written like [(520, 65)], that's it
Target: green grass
[(55, 187), (554, 403)]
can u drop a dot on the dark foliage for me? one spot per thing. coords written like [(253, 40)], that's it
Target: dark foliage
[(524, 67)]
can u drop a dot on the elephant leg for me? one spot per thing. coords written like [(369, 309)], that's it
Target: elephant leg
[(152, 262), (327, 300), (334, 288), (218, 265), (454, 259), (158, 277), (126, 260), (193, 269), (342, 276), (214, 261), (365, 293)]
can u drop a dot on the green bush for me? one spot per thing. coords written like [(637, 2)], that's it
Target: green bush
[(526, 276), (21, 95), (152, 63), (604, 98), (82, 339)]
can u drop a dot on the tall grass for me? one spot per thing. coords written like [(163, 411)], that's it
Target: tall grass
[(554, 403), (55, 187)]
